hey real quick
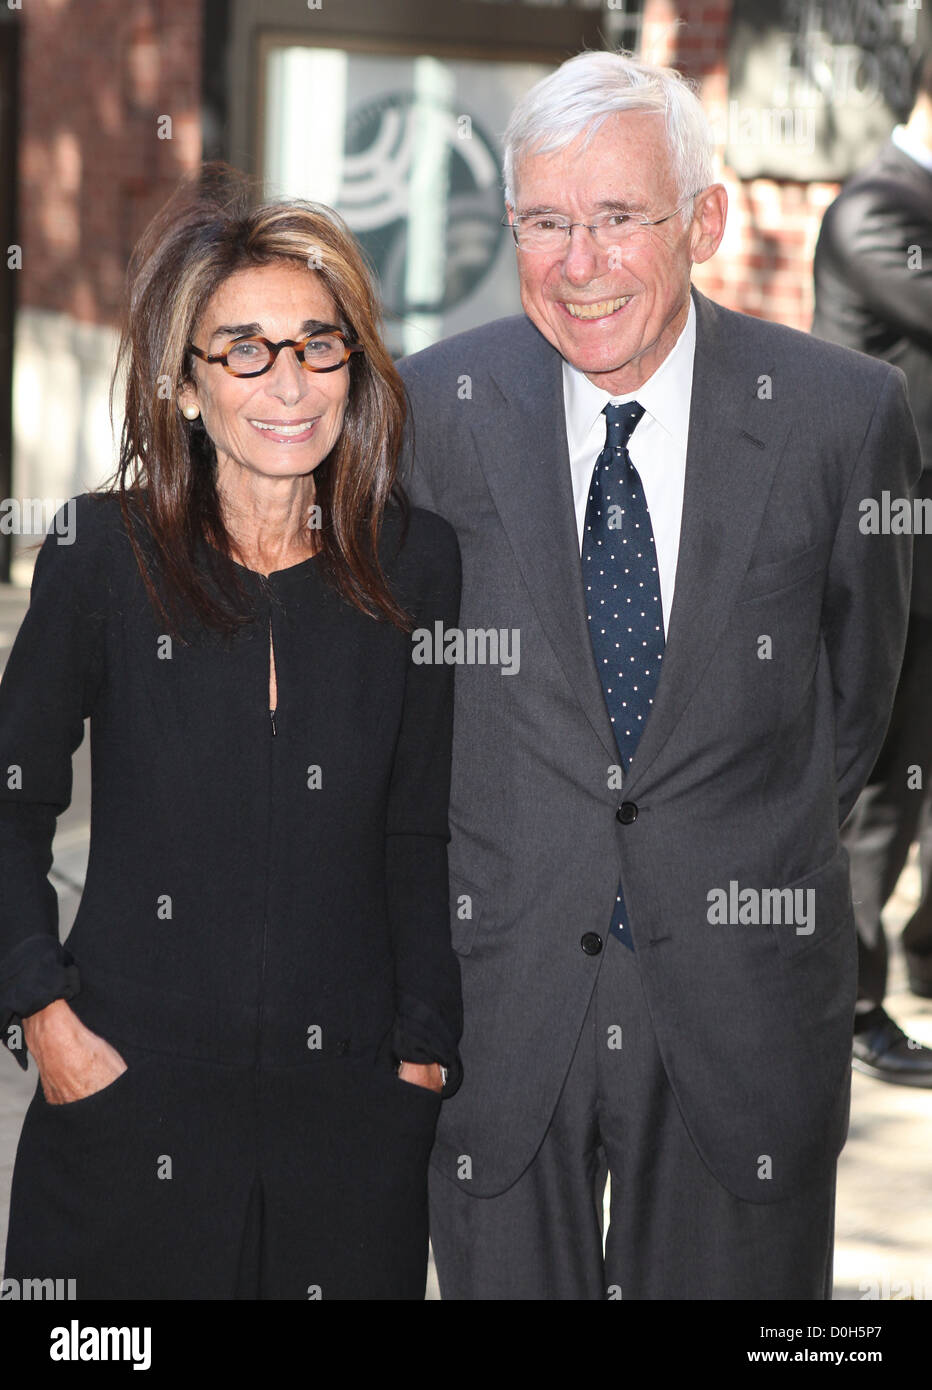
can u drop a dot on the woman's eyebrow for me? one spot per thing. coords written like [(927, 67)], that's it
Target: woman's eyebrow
[(239, 330), (234, 330)]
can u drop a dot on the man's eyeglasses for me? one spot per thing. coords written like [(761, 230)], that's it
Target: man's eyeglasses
[(537, 231), (319, 352)]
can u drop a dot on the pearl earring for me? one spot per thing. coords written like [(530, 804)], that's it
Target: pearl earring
[(191, 412)]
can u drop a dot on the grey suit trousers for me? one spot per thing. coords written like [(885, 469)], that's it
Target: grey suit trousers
[(675, 1232)]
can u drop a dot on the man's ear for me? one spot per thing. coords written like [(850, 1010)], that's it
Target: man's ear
[(709, 213)]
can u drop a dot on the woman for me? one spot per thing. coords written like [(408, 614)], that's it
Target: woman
[(242, 1047)]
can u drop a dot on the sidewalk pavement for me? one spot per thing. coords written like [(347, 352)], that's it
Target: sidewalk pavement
[(883, 1245)]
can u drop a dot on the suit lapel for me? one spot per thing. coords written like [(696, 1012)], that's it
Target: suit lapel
[(528, 475), (735, 441)]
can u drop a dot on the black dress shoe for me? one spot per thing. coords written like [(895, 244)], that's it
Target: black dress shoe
[(881, 1049)]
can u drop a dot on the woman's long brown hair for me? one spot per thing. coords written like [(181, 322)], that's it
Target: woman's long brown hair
[(166, 477)]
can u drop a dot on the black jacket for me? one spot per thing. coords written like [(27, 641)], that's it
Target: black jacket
[(873, 292), (253, 892)]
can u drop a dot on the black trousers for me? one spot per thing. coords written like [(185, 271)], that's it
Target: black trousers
[(889, 815), (191, 1179), (674, 1231)]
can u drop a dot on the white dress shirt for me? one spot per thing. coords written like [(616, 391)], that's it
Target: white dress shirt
[(657, 446), (910, 145)]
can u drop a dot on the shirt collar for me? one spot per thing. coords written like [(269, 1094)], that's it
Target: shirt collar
[(911, 146), (665, 395)]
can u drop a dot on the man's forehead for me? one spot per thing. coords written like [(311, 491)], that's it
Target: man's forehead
[(626, 159)]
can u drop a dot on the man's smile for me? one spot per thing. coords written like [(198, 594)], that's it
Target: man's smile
[(599, 309)]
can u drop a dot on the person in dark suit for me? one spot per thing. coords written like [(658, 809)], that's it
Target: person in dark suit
[(243, 1044), (648, 895), (873, 292)]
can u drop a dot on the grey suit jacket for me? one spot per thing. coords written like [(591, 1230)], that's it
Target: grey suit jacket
[(753, 754)]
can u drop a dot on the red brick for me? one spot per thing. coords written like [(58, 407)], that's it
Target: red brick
[(76, 78)]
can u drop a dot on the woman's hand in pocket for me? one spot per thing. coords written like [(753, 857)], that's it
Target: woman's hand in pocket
[(73, 1062), (428, 1075)]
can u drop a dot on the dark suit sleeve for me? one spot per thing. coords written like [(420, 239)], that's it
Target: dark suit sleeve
[(414, 462), (427, 983), (47, 690), (866, 600), (870, 235)]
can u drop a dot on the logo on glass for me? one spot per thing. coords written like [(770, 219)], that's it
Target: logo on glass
[(421, 192)]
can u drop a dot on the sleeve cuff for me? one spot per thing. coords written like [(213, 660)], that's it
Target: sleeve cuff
[(37, 971), (422, 1036)]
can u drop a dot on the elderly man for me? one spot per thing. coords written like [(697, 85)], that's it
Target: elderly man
[(661, 500)]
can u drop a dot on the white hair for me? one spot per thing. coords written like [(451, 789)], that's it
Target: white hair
[(585, 90)]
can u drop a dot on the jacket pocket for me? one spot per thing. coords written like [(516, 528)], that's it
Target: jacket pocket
[(820, 907), (465, 911), (90, 1101), (762, 580)]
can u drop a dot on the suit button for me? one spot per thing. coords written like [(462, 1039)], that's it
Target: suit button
[(627, 812), (591, 943)]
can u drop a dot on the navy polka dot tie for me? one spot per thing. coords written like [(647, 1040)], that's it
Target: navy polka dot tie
[(619, 565)]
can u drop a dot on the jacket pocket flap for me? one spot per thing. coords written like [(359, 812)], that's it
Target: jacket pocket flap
[(820, 907), (774, 575)]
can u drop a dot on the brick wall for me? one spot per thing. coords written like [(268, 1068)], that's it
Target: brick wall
[(96, 76), (764, 265)]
